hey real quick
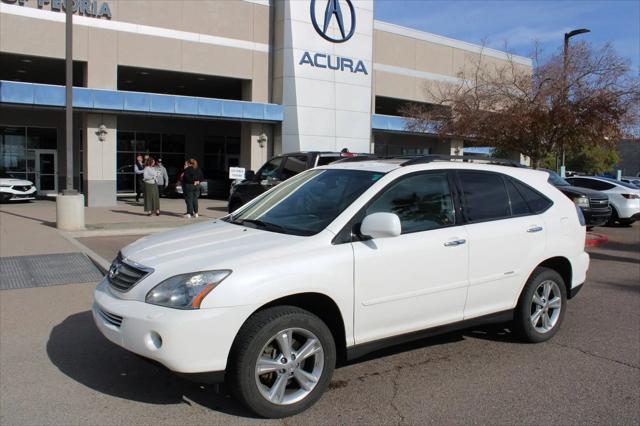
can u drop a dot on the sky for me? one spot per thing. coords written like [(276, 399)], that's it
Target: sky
[(520, 22)]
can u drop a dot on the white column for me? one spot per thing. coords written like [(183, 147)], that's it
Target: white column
[(100, 160)]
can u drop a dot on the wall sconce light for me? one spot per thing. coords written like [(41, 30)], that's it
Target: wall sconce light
[(102, 133), (262, 140)]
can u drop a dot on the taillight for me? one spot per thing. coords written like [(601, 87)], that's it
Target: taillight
[(631, 196)]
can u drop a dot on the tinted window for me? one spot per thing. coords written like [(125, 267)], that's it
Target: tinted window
[(518, 204), (270, 169), (591, 183), (485, 196), (323, 161), (537, 202), (293, 166), (626, 183), (422, 202)]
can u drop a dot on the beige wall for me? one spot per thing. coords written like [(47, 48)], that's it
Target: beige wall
[(105, 49), (442, 61)]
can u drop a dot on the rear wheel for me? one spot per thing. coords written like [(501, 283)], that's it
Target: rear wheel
[(282, 361), (541, 307), (614, 217)]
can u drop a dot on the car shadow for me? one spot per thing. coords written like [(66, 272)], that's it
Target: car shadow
[(611, 258), (81, 352)]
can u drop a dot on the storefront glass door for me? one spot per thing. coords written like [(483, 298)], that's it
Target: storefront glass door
[(46, 165)]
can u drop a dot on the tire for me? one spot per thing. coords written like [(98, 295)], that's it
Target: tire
[(614, 217), (523, 322), (626, 222), (258, 339)]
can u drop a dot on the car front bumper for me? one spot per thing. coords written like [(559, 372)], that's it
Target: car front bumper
[(184, 341), (596, 217), (9, 194)]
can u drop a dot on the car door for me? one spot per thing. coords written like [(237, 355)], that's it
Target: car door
[(506, 238), (418, 279)]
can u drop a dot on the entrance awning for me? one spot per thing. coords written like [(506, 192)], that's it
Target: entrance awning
[(118, 101)]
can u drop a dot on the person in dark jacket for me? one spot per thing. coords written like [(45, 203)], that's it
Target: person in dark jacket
[(138, 169), (191, 187)]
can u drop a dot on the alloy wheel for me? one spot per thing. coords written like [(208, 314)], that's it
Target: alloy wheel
[(546, 304)]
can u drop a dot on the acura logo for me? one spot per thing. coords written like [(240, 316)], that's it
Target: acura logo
[(333, 12)]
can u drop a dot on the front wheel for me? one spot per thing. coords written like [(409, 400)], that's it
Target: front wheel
[(282, 361), (541, 307)]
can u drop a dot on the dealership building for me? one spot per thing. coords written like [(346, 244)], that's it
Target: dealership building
[(229, 83)]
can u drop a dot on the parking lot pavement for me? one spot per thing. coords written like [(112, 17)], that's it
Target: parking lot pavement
[(55, 367)]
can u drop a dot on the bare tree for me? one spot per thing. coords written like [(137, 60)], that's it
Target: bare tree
[(509, 106)]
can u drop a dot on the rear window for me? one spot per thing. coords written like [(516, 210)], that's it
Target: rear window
[(485, 196), (323, 161)]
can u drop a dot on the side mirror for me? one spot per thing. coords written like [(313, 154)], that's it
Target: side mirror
[(381, 225), (250, 175)]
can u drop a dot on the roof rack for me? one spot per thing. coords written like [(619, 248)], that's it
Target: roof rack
[(463, 158), (358, 157)]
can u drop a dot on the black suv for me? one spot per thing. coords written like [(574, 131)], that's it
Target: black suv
[(594, 204), (277, 170)]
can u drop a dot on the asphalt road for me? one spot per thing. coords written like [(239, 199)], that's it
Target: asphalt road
[(55, 367)]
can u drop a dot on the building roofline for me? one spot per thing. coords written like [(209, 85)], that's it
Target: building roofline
[(446, 41)]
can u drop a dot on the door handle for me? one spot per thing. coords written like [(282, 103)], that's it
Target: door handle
[(454, 243), (534, 229)]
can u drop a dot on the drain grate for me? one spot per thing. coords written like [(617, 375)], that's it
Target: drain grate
[(46, 270)]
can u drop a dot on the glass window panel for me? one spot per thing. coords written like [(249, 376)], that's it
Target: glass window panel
[(147, 142), (214, 145), (126, 141), (422, 202), (233, 145), (173, 143), (294, 165), (485, 196), (40, 138), (12, 148), (124, 182), (518, 204), (536, 201), (126, 161)]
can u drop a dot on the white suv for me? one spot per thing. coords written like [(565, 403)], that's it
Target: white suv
[(342, 260)]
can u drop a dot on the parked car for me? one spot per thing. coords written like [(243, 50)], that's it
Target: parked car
[(277, 170), (632, 180), (594, 204), (15, 189), (624, 198), (340, 261)]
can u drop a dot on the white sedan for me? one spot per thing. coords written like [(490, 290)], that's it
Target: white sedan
[(624, 197), (13, 189)]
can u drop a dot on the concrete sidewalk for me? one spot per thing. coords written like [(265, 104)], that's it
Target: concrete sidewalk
[(30, 228)]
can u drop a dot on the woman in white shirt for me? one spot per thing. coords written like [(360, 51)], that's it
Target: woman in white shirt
[(151, 194)]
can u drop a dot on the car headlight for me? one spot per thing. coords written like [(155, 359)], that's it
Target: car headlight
[(186, 291), (581, 201)]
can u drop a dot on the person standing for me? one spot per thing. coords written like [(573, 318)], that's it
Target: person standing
[(151, 195), (191, 186), (163, 177), (138, 169)]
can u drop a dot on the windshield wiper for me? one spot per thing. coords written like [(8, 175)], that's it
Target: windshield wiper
[(260, 224)]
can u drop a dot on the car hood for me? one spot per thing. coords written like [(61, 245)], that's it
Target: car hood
[(206, 245), (577, 191), (11, 181)]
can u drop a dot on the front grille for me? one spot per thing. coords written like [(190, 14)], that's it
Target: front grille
[(22, 188), (113, 319), (598, 203), (122, 276)]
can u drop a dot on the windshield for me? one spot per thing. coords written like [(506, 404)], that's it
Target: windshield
[(306, 203), (555, 179)]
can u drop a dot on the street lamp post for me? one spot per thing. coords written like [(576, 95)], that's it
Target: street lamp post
[(69, 203), (565, 90)]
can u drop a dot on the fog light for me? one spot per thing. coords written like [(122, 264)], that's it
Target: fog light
[(153, 341)]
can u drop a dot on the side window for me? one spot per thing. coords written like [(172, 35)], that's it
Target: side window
[(518, 204), (269, 169), (421, 201), (294, 165), (485, 196), (600, 185), (584, 183), (537, 202)]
